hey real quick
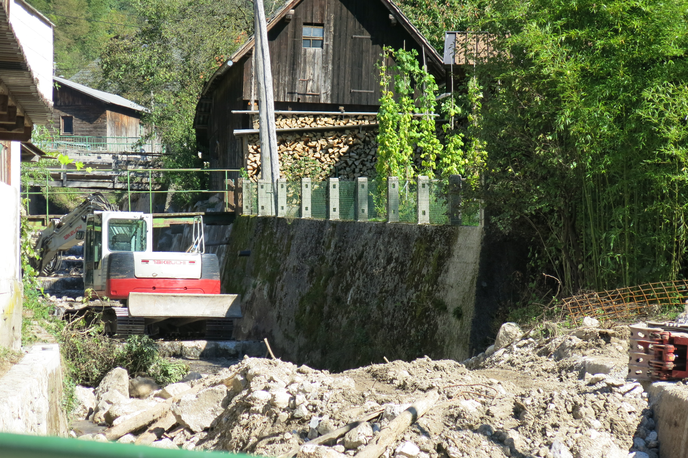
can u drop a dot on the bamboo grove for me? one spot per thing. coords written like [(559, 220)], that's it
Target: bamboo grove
[(586, 122)]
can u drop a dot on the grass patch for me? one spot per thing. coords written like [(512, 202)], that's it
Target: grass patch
[(8, 358)]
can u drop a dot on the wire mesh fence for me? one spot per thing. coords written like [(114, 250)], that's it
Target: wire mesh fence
[(347, 200), (351, 205), (319, 200), (629, 302)]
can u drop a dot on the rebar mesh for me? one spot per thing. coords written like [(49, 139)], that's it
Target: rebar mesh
[(629, 302), (408, 201), (347, 200), (439, 203), (319, 200)]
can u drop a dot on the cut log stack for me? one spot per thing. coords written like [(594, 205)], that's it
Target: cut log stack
[(346, 154)]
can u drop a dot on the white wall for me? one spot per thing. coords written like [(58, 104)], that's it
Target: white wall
[(35, 35), (11, 290)]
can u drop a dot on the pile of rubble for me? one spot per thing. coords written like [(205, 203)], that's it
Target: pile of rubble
[(560, 396)]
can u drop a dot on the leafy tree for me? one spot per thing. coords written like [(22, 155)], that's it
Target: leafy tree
[(164, 64)]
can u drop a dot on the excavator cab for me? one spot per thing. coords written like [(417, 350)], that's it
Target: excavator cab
[(111, 232)]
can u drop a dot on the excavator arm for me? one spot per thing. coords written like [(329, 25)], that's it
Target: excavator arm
[(61, 234)]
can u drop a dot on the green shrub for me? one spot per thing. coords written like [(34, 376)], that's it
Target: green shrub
[(90, 354)]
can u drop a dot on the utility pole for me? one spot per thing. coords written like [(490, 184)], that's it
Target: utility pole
[(270, 170)]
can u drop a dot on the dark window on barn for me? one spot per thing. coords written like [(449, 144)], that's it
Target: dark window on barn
[(313, 36), (67, 125)]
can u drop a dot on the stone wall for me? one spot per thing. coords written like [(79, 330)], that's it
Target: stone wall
[(347, 154), (31, 394), (336, 294)]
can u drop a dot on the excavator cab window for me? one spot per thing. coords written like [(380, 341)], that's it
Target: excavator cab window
[(127, 235)]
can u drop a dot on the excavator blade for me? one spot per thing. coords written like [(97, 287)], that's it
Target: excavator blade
[(203, 306)]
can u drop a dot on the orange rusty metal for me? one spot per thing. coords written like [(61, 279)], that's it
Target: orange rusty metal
[(630, 302)]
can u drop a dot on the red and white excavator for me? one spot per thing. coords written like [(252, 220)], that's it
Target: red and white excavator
[(167, 293)]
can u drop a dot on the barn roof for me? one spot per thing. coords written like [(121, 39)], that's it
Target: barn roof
[(101, 95), (434, 57)]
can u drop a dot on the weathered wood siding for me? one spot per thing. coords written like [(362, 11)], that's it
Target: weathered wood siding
[(121, 124), (90, 116), (93, 117), (225, 149), (344, 71)]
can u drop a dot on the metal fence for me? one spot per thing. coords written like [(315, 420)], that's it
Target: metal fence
[(420, 201), (92, 143), (122, 185)]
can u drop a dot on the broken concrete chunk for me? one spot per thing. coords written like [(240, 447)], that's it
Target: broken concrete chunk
[(164, 443), (508, 333), (559, 450), (318, 451), (591, 322), (127, 439), (115, 380), (280, 399), (197, 412), (85, 402), (173, 390), (358, 436), (407, 450)]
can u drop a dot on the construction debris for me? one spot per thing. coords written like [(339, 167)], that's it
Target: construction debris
[(563, 396)]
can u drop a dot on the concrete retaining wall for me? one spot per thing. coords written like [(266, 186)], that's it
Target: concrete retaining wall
[(31, 394), (338, 294), (669, 403)]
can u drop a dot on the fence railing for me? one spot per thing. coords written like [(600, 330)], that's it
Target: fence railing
[(420, 201), (125, 184), (111, 144)]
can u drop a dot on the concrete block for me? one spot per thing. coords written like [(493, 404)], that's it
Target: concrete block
[(333, 199), (281, 197), (392, 200), (362, 199), (31, 394), (115, 380), (306, 193), (266, 198), (423, 200)]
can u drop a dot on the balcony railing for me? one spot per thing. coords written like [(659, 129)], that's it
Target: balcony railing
[(98, 144)]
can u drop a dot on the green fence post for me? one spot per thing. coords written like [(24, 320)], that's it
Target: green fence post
[(150, 191), (47, 198), (129, 189), (227, 191)]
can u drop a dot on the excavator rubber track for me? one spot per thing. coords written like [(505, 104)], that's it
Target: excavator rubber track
[(658, 351)]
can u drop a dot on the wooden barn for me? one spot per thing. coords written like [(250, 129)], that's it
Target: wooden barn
[(82, 111), (324, 56)]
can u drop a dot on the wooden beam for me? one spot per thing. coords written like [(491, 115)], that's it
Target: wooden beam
[(17, 136), (4, 101), (10, 117)]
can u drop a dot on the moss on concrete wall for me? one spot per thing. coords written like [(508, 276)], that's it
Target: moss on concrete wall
[(340, 294)]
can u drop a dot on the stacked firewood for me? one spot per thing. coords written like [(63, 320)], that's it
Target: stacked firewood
[(346, 154)]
